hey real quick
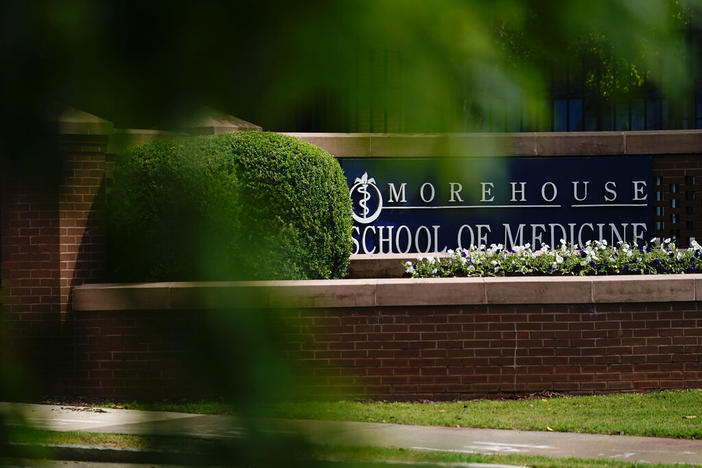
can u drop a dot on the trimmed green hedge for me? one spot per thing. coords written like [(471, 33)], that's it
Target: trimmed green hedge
[(248, 205)]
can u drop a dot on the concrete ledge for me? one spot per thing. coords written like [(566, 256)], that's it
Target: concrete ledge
[(507, 144), (389, 292), (664, 288), (664, 142)]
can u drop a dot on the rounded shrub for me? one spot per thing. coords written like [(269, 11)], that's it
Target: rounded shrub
[(248, 205)]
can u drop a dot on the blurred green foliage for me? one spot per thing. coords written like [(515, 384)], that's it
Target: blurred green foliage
[(285, 65), (247, 205), (303, 65)]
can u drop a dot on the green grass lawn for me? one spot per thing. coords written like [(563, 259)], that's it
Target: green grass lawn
[(676, 414), (661, 414)]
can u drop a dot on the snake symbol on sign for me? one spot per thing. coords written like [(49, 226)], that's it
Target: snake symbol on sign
[(361, 186)]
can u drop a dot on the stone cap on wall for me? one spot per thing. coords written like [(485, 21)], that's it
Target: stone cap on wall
[(208, 121), (508, 144), (390, 292), (77, 122)]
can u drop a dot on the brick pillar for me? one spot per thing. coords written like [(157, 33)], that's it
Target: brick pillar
[(81, 201), (51, 240)]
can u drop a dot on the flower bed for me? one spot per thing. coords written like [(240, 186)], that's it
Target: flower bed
[(594, 258)]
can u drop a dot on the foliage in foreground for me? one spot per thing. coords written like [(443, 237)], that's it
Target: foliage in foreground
[(250, 205), (317, 455), (594, 258)]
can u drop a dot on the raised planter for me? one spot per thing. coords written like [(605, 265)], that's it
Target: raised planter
[(429, 338)]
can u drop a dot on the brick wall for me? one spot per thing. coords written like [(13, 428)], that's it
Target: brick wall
[(30, 275), (143, 355), (407, 353)]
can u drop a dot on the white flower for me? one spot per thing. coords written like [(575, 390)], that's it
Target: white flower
[(559, 259)]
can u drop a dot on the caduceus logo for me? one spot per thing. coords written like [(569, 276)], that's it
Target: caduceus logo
[(360, 188)]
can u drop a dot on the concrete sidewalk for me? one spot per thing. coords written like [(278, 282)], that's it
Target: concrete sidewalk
[(428, 438)]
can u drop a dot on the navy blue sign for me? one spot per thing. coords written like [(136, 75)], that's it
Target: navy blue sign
[(423, 205)]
